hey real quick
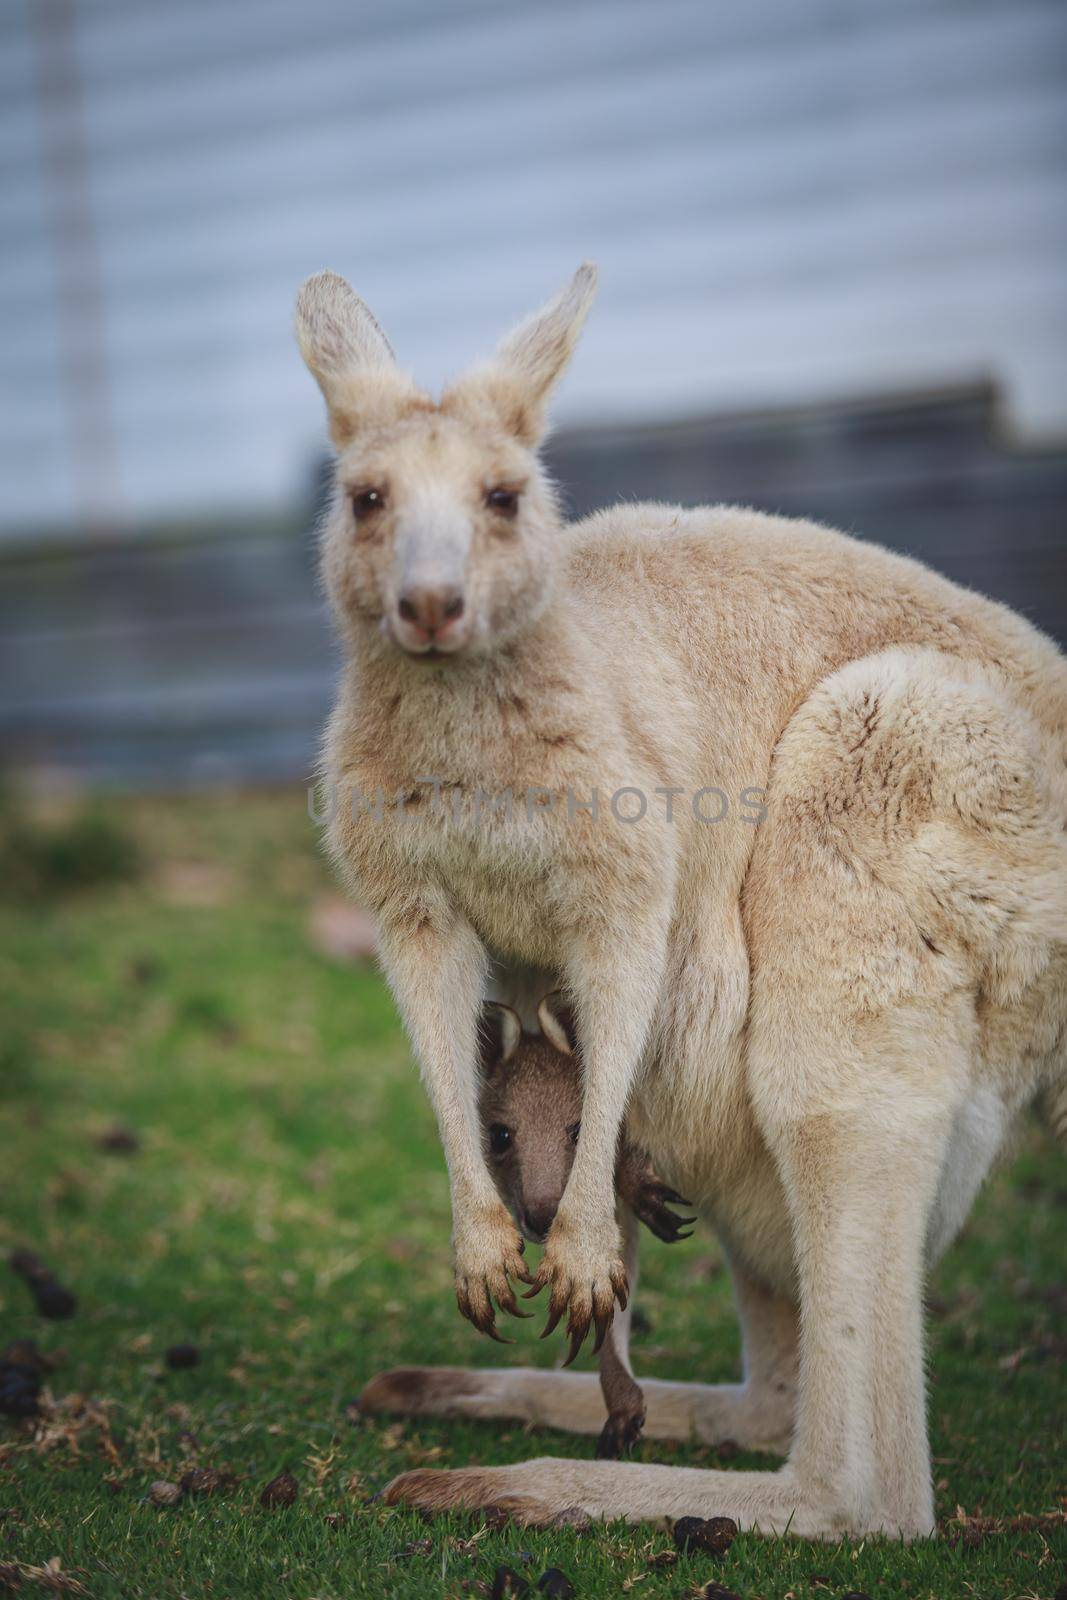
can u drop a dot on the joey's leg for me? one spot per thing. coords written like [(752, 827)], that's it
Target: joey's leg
[(623, 1399), (615, 980), (436, 967)]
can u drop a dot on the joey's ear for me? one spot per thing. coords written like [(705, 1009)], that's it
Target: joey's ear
[(349, 357), (499, 1033), (516, 385), (556, 1017)]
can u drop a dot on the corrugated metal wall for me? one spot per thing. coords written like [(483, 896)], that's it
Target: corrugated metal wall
[(789, 201)]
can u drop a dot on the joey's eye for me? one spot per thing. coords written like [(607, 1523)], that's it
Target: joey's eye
[(505, 502), (365, 502), (573, 1131), (499, 1139)]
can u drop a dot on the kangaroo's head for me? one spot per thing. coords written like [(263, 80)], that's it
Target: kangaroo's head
[(444, 530), (531, 1109)]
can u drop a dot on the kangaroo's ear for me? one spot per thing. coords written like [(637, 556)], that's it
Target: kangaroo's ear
[(556, 1017), (499, 1032), (517, 383), (349, 357)]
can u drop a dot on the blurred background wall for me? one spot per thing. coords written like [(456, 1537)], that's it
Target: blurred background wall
[(831, 236)]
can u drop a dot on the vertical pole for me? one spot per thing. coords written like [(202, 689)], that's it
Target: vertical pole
[(83, 347)]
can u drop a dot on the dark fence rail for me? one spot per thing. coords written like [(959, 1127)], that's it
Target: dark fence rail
[(207, 657)]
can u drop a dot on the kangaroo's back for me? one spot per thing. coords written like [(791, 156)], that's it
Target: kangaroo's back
[(793, 600)]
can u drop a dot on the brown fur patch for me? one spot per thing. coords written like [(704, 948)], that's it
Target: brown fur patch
[(411, 1391), (468, 1489)]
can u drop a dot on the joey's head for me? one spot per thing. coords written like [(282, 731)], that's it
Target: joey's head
[(531, 1110), (444, 532)]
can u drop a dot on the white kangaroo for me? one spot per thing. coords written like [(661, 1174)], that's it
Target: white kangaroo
[(820, 1028)]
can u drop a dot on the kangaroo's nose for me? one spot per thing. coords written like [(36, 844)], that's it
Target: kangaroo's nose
[(431, 609), (537, 1219)]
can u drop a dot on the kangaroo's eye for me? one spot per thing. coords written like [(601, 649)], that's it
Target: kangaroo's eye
[(505, 502), (365, 502), (573, 1131), (499, 1139)]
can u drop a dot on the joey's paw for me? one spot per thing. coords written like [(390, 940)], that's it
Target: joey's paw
[(619, 1434), (585, 1276), (488, 1253), (651, 1203)]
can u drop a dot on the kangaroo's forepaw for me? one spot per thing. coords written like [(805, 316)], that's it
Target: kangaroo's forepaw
[(584, 1281), (488, 1254)]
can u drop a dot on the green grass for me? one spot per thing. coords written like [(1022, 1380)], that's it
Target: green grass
[(287, 1211)]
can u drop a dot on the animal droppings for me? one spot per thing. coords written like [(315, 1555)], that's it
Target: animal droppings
[(205, 1480), (506, 1582), (555, 1583), (280, 1491), (163, 1493), (179, 1356), (22, 1371), (119, 1140), (52, 1299), (711, 1536), (19, 1390)]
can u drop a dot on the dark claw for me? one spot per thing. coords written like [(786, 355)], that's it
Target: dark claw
[(555, 1312), (508, 1303), (603, 1321), (653, 1212), (619, 1435), (484, 1319), (577, 1338), (534, 1291), (485, 1322), (521, 1273)]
